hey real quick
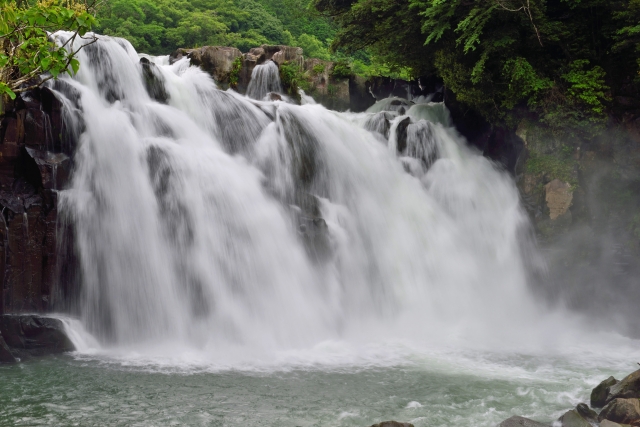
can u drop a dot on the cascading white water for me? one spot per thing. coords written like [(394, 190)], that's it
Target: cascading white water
[(209, 220), (265, 78)]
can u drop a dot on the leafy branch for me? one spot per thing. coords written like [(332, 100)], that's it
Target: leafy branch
[(28, 53)]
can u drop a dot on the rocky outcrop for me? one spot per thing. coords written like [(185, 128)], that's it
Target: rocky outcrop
[(600, 394), (27, 336), (328, 90), (622, 411), (35, 162), (611, 389), (215, 60)]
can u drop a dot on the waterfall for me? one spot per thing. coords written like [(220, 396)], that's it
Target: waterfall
[(204, 218), (265, 78)]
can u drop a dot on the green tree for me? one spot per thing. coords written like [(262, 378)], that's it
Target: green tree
[(504, 58), (27, 52)]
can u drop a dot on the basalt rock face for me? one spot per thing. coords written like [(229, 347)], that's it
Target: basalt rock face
[(35, 162)]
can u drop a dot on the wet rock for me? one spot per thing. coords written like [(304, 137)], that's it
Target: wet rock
[(559, 198), (274, 96), (5, 352), (600, 394), (587, 413), (215, 60), (401, 134), (380, 123), (281, 54), (622, 411), (573, 418), (54, 168), (628, 387), (153, 81), (392, 424), (517, 421), (32, 335)]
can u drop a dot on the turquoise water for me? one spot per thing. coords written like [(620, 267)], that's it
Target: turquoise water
[(444, 389)]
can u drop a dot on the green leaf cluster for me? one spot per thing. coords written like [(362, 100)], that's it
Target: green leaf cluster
[(26, 50), (507, 59)]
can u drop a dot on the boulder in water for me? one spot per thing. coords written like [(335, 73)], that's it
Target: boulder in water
[(392, 424), (629, 387), (601, 392), (573, 418), (31, 335), (622, 411), (517, 421), (587, 413)]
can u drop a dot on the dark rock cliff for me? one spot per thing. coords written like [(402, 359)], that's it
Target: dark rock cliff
[(35, 162)]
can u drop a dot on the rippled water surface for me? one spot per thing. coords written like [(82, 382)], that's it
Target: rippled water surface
[(472, 389)]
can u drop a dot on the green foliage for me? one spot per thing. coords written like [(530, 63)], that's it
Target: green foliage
[(341, 70), (313, 47), (319, 68), (234, 74), (291, 77), (587, 86), (506, 59), (162, 26), (27, 52)]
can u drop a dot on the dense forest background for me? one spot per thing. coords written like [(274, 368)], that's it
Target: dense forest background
[(567, 62), (161, 26)]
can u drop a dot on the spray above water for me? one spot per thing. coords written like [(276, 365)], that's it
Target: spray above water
[(209, 220)]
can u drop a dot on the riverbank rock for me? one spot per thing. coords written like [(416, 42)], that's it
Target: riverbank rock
[(622, 411), (517, 421), (32, 335), (392, 424), (600, 394), (573, 418), (629, 387)]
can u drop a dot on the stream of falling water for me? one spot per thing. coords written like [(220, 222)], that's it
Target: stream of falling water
[(218, 233)]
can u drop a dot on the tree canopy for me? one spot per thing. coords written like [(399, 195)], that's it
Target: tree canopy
[(161, 26), (561, 59)]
